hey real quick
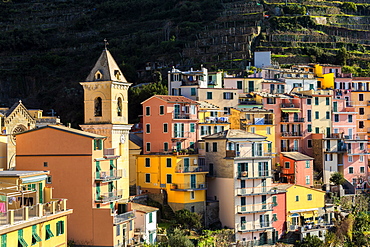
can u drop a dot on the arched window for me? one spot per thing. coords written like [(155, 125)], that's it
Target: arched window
[(119, 107), (98, 107)]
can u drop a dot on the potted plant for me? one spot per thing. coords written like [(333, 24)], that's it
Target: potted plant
[(191, 150), (174, 186)]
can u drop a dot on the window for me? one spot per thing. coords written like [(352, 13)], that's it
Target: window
[(168, 162), (308, 180), (118, 230), (147, 110), (274, 201), (350, 170), (360, 97), (287, 165), (309, 127), (45, 164), (361, 158), (192, 195), (274, 217), (148, 128), (317, 115), (317, 130), (60, 227), (192, 127), (148, 146), (147, 162), (316, 100), (309, 197), (192, 92), (178, 130), (361, 111), (169, 178), (165, 146), (207, 146), (309, 101), (161, 109), (336, 118), (297, 198), (328, 157), (35, 237), (98, 144), (119, 107), (3, 240), (21, 241), (309, 115), (253, 130), (147, 178), (307, 164), (214, 147), (362, 146), (48, 233), (327, 115), (49, 179), (349, 118), (362, 169), (228, 95), (227, 110), (150, 217), (165, 127), (209, 95), (239, 84), (309, 143), (361, 124), (350, 159), (268, 130), (327, 101), (192, 209), (98, 107)]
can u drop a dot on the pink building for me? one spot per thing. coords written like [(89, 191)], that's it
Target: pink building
[(169, 123), (296, 168), (279, 213)]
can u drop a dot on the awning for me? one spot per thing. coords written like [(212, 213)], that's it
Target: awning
[(34, 179), (290, 110), (303, 210)]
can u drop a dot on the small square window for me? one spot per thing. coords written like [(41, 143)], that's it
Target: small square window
[(192, 195), (297, 198), (350, 170), (287, 165), (168, 162), (49, 179), (362, 169), (147, 178), (46, 164), (147, 110), (169, 178), (309, 197), (147, 162), (161, 109)]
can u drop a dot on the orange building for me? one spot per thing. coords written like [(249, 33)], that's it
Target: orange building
[(297, 168), (85, 173)]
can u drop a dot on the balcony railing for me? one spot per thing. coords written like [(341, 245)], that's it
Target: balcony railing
[(109, 196), (254, 174), (261, 207), (289, 105), (288, 149), (291, 134), (254, 226), (255, 190), (236, 154), (197, 168), (109, 151), (293, 120), (189, 186), (119, 218), (258, 122), (108, 175)]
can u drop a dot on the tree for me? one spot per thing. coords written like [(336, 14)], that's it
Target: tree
[(179, 239), (342, 56), (187, 219), (310, 241), (337, 178)]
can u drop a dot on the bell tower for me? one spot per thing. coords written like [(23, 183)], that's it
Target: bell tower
[(105, 109)]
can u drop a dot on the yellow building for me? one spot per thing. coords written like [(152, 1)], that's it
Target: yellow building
[(325, 79), (180, 176), (30, 217), (303, 205), (211, 119)]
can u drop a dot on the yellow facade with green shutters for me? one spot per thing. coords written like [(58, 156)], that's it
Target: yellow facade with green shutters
[(303, 204), (49, 233), (179, 175)]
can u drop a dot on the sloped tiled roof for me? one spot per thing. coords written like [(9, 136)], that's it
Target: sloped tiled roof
[(66, 129), (296, 156), (143, 208), (173, 99)]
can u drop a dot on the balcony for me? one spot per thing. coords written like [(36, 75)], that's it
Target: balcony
[(289, 105), (288, 149), (119, 218), (253, 175), (238, 154), (291, 134), (190, 169), (251, 227), (108, 176), (27, 214), (216, 120), (356, 137), (109, 152), (254, 208), (334, 136), (294, 120), (109, 196), (189, 186), (255, 191), (261, 121)]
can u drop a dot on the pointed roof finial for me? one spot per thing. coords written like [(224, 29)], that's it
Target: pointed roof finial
[(105, 43)]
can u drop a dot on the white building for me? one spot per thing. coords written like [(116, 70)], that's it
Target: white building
[(145, 223)]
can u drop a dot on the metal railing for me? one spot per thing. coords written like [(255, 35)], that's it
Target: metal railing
[(233, 153), (292, 120), (289, 105), (254, 226), (255, 190), (108, 175), (291, 134), (124, 217), (244, 209), (184, 169), (189, 186), (109, 196), (109, 151), (254, 174)]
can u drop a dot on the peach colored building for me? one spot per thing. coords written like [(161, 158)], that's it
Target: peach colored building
[(279, 213), (169, 123), (296, 168), (85, 173)]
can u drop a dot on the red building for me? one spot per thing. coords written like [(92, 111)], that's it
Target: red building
[(296, 168), (279, 212)]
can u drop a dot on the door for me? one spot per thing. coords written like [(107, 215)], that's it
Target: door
[(251, 86), (193, 180), (350, 133), (186, 164), (177, 110)]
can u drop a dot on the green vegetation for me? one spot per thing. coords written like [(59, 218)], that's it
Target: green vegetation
[(337, 178)]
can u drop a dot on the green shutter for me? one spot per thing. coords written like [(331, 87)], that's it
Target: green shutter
[(192, 127), (34, 234), (95, 144), (150, 218), (20, 239), (175, 130), (274, 201), (110, 186), (97, 190), (111, 162), (3, 240), (41, 192), (49, 232)]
